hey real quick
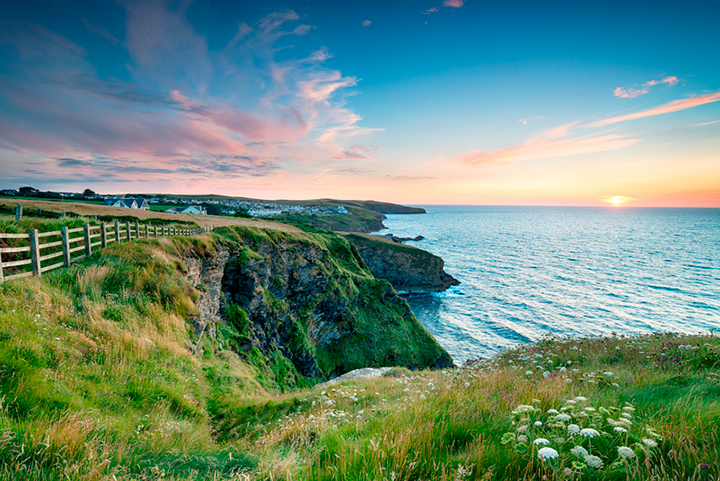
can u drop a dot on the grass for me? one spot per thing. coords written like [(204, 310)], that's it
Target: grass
[(99, 380)]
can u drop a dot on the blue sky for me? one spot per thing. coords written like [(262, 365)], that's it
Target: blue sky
[(449, 101)]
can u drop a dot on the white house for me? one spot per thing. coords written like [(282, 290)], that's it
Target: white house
[(128, 203)]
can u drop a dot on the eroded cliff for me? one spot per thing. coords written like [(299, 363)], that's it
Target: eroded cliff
[(407, 268), (305, 305)]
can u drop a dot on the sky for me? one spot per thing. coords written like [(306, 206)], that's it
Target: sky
[(415, 102)]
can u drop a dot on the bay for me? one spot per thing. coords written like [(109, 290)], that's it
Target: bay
[(569, 271)]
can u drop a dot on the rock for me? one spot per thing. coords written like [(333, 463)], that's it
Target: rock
[(406, 268), (363, 373), (400, 240)]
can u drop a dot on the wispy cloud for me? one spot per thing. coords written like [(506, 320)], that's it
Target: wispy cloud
[(366, 23), (539, 117), (453, 3), (430, 10), (631, 93), (188, 112), (557, 142), (674, 106)]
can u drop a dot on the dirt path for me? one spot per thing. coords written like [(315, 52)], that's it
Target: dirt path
[(94, 209)]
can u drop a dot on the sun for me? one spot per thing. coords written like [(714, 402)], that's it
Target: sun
[(616, 200)]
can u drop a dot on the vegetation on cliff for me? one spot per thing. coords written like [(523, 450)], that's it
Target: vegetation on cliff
[(407, 268), (102, 377)]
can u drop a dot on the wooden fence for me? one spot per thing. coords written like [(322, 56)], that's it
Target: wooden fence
[(46, 251)]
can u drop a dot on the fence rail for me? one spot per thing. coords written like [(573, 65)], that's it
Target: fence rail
[(66, 242)]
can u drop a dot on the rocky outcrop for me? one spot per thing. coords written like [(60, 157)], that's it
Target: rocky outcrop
[(406, 268), (308, 302)]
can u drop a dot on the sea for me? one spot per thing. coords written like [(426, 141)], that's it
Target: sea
[(526, 272)]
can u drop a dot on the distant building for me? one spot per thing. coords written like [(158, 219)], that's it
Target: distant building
[(194, 209), (128, 203), (9, 192)]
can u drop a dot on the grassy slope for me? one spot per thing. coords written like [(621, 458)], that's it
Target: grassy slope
[(97, 378)]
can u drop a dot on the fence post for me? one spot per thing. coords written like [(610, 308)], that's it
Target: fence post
[(127, 228), (103, 235), (18, 212), (155, 230), (2, 276), (88, 247), (137, 230), (66, 245), (35, 252), (117, 232), (146, 231)]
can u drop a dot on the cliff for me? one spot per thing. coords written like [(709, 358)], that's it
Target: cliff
[(407, 268), (308, 305)]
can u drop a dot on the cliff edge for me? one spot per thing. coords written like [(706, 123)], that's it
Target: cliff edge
[(407, 268)]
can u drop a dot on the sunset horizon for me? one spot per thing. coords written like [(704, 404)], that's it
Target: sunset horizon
[(449, 102)]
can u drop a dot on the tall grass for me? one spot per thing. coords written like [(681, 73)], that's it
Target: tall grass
[(101, 377)]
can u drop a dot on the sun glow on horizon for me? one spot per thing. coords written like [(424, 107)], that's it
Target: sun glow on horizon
[(617, 200)]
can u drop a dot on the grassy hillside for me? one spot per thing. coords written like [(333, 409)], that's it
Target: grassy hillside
[(101, 377)]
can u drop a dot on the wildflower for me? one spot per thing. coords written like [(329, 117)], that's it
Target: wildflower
[(562, 369), (524, 407), (570, 401), (553, 411), (628, 409), (538, 423), (593, 461), (546, 374), (626, 452), (590, 409), (547, 453), (579, 451), (467, 384), (563, 417), (575, 371), (573, 428), (522, 438), (589, 433), (626, 415), (528, 373), (620, 429), (580, 398), (608, 374), (542, 441), (568, 471), (649, 442), (522, 428), (568, 380)]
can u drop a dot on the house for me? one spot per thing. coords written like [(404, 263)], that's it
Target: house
[(194, 209), (128, 203)]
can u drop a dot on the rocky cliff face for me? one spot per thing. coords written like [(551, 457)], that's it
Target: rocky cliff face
[(308, 305), (406, 268)]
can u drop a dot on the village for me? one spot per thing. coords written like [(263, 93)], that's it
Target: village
[(197, 206)]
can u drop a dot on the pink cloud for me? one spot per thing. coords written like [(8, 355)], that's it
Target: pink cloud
[(430, 10), (629, 93), (269, 115), (552, 143), (674, 106), (453, 3), (366, 23), (672, 80)]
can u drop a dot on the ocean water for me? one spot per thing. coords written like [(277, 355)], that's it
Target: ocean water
[(571, 271)]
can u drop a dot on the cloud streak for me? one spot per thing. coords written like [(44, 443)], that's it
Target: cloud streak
[(558, 142), (674, 106), (631, 93)]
